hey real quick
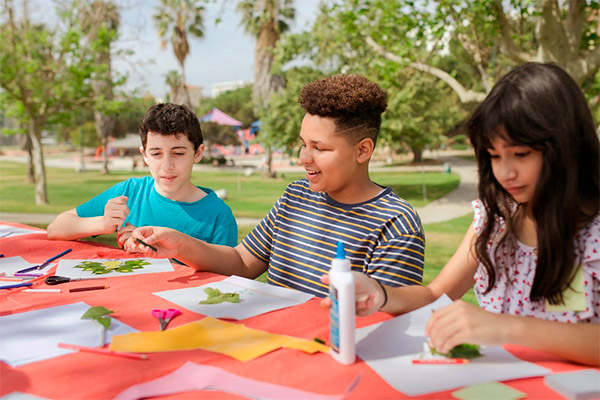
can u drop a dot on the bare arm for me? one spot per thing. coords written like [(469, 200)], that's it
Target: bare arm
[(69, 226), (455, 279), (200, 255), (461, 322)]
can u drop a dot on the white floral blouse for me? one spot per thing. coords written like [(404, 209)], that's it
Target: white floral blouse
[(515, 273)]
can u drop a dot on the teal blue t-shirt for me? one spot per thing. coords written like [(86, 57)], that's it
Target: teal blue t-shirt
[(208, 219)]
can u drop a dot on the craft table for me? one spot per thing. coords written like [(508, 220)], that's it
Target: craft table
[(94, 376)]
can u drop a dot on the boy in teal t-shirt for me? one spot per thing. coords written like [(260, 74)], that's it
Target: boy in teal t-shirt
[(171, 144)]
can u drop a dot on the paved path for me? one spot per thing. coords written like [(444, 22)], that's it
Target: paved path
[(455, 204)]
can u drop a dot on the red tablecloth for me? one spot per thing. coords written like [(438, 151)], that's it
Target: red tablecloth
[(92, 376)]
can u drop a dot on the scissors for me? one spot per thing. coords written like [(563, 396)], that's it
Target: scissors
[(57, 280), (165, 316)]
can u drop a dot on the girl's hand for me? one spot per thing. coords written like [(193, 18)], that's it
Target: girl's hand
[(368, 294), (461, 323), (166, 241)]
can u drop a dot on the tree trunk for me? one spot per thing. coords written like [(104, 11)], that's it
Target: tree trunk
[(105, 125), (417, 155), (27, 145), (35, 132)]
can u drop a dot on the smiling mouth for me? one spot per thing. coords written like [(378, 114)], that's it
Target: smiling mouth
[(312, 174)]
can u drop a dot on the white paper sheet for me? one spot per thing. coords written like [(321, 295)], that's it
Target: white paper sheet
[(389, 347), (20, 396), (10, 265), (67, 268), (193, 376), (255, 298), (8, 231), (34, 335)]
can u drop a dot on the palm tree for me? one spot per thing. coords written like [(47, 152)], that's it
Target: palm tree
[(267, 20), (100, 22), (173, 20)]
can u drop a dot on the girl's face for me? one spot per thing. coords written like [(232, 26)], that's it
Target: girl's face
[(517, 168), (328, 158), (171, 159)]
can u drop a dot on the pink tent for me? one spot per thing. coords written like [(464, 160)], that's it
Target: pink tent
[(219, 117)]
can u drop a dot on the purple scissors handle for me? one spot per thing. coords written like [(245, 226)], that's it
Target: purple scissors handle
[(165, 316)]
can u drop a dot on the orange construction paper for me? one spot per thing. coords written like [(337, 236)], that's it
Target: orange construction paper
[(234, 340)]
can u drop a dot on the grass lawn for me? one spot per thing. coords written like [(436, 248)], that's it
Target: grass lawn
[(250, 197)]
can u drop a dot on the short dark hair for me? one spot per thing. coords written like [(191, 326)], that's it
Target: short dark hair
[(171, 119), (353, 102), (540, 106)]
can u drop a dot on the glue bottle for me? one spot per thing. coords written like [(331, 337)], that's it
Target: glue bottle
[(342, 312)]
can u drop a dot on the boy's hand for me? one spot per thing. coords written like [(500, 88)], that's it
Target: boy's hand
[(125, 240), (166, 241), (366, 290), (115, 213)]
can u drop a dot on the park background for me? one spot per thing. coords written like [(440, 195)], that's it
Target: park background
[(76, 78)]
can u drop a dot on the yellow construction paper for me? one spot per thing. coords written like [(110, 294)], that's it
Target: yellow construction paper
[(573, 296), (234, 340)]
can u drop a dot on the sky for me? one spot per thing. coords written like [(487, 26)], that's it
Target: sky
[(225, 53)]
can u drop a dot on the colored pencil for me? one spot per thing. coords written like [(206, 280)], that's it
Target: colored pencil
[(101, 350), (84, 289), (45, 263), (16, 285), (145, 244), (42, 290), (440, 361)]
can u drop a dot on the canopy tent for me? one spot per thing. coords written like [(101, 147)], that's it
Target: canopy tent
[(219, 117)]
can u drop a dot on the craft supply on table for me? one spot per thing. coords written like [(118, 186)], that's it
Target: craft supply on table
[(57, 280), (101, 350), (17, 285), (440, 361), (145, 244), (342, 310), (42, 290), (85, 289), (45, 263), (165, 316)]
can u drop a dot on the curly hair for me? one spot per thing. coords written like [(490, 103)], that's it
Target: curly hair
[(171, 119), (540, 106), (354, 103)]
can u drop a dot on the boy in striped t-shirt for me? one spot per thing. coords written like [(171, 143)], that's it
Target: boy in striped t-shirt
[(337, 201)]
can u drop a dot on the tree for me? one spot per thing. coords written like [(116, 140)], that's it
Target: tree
[(563, 32), (100, 23), (45, 74), (173, 20), (267, 20)]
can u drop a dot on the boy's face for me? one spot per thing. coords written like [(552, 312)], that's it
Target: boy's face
[(329, 159), (170, 159)]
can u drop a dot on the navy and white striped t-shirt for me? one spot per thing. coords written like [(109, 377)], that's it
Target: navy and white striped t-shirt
[(383, 238)]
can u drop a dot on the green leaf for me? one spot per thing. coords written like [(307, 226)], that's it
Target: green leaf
[(465, 350), (105, 321), (96, 312), (215, 297)]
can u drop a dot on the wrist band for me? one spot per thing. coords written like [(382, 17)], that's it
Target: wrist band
[(385, 297)]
